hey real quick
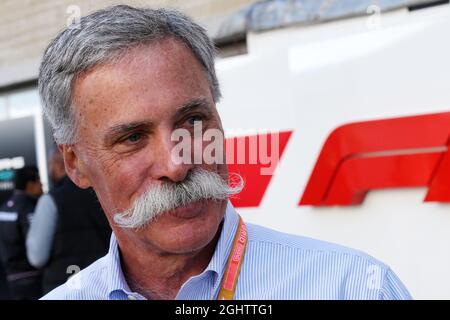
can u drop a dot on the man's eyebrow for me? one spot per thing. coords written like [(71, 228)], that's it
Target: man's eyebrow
[(195, 104), (120, 129)]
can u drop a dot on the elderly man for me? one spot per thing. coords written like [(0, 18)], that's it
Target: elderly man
[(115, 87)]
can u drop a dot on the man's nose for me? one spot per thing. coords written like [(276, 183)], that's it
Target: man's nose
[(166, 166)]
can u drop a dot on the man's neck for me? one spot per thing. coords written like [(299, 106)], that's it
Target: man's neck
[(160, 276)]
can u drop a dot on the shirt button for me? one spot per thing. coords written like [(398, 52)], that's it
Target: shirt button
[(130, 297)]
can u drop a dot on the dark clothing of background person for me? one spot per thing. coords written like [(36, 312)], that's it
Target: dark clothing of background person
[(24, 281), (67, 235), (4, 291)]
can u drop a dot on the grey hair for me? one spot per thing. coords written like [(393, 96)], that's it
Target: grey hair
[(102, 37)]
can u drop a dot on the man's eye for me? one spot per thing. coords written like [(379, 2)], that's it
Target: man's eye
[(193, 119), (135, 137)]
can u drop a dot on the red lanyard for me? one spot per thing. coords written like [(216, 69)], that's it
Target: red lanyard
[(235, 258)]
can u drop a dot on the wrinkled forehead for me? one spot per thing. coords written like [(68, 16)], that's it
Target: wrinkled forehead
[(146, 82)]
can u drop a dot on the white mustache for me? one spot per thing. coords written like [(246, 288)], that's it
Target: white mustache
[(200, 184)]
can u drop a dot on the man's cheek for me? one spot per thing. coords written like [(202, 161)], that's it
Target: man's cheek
[(128, 177)]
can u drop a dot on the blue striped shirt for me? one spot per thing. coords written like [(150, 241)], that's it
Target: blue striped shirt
[(275, 266)]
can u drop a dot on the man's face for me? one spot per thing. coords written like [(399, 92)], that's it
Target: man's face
[(34, 188), (127, 112)]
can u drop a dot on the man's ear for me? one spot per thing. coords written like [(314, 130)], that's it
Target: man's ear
[(75, 167)]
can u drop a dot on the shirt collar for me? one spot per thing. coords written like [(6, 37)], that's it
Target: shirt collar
[(223, 247), (117, 285)]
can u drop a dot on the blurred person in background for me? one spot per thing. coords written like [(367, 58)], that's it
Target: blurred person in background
[(24, 281), (69, 229)]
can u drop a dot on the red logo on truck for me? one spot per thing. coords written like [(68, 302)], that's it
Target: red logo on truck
[(359, 157), (391, 153), (256, 182)]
